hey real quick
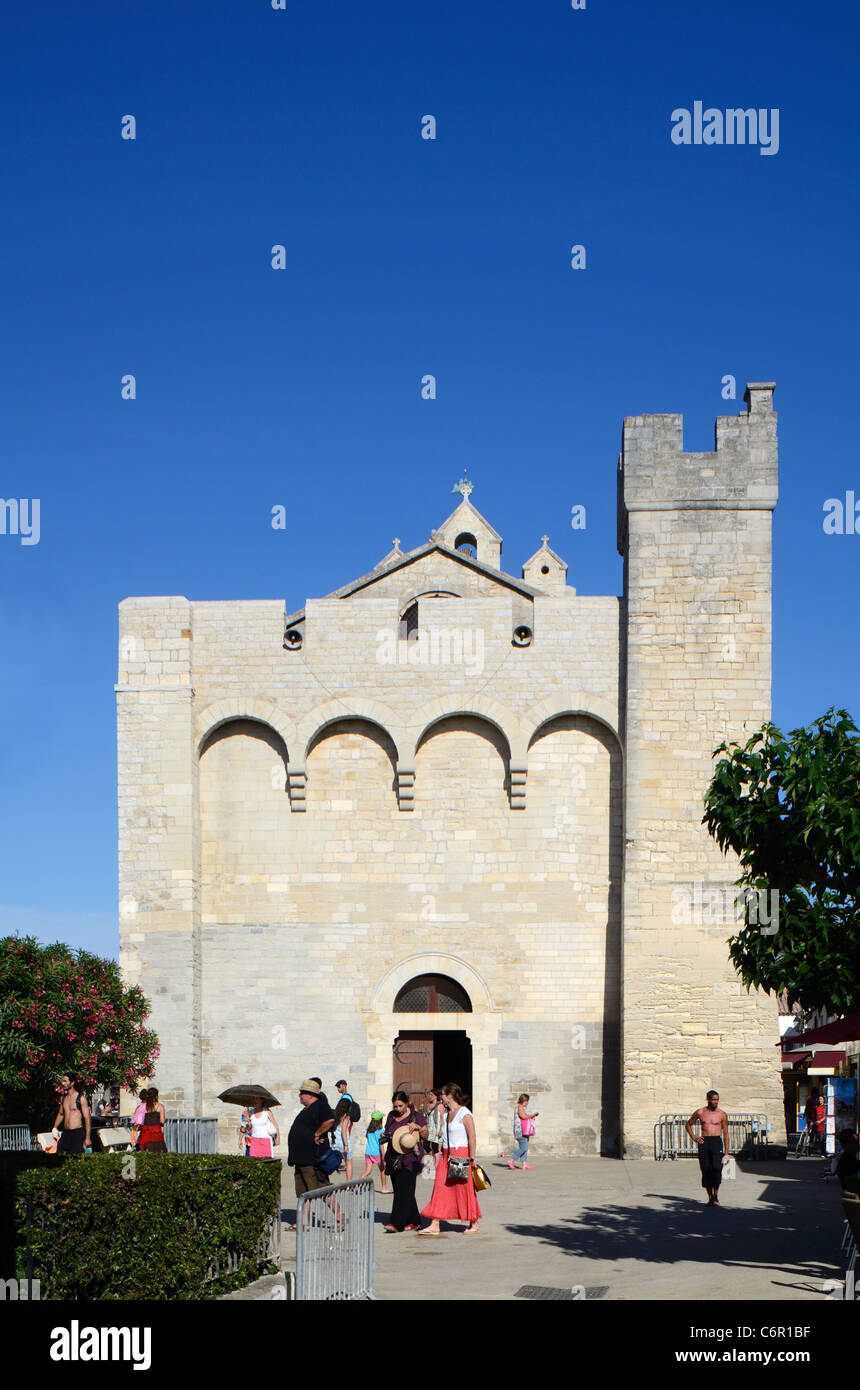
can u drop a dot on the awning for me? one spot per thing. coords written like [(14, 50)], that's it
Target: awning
[(824, 1062), (842, 1031), (793, 1059)]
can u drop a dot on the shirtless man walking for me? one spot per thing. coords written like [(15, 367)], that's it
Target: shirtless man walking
[(74, 1112), (713, 1142)]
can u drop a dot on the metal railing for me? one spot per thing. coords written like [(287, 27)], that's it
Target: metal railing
[(267, 1251), (15, 1138), (334, 1242), (191, 1136), (748, 1136)]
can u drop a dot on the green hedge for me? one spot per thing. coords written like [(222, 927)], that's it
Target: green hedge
[(97, 1234), (12, 1245)]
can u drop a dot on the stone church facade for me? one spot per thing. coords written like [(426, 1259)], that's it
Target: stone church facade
[(445, 823)]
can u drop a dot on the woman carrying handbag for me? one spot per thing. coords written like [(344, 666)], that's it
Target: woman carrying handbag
[(405, 1131), (454, 1197), (524, 1128)]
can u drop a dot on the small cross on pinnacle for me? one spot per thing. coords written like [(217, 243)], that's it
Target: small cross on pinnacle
[(545, 540), (396, 542), (464, 486)]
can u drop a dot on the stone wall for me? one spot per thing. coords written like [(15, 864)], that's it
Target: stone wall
[(305, 907)]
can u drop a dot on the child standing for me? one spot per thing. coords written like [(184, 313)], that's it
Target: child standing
[(372, 1151)]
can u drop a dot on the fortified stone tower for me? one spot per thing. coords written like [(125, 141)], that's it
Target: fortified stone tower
[(695, 533)]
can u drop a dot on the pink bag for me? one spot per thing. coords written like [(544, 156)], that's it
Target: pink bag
[(528, 1128)]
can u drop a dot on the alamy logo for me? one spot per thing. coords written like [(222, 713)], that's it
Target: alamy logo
[(710, 905), (841, 520), (21, 519), (14, 1289), (76, 1343), (433, 646), (734, 126)]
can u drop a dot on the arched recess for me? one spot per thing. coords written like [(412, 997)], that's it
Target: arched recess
[(314, 723), (243, 817), (577, 703), (262, 711), (351, 766), (410, 613), (446, 707), (576, 782), (428, 593), (253, 728)]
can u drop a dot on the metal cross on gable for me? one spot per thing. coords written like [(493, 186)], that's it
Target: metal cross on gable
[(464, 486)]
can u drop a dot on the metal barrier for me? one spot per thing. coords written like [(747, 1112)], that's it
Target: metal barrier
[(334, 1242), (194, 1136), (267, 1250), (15, 1138), (748, 1136)]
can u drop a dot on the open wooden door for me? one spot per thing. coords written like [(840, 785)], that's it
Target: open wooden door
[(413, 1066)]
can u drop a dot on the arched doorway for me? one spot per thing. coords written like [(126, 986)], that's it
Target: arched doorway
[(427, 1057)]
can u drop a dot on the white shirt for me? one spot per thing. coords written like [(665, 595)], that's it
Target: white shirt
[(455, 1136)]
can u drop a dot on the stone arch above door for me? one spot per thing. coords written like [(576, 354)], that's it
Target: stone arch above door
[(482, 1025), (382, 1000)]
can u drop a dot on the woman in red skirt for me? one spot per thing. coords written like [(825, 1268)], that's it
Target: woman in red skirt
[(454, 1201), (152, 1128)]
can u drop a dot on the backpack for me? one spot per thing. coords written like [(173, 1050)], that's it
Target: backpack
[(354, 1112)]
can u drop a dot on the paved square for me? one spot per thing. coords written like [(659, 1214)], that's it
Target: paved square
[(639, 1228)]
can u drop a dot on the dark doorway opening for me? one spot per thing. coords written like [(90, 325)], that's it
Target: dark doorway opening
[(424, 1058), (453, 1061)]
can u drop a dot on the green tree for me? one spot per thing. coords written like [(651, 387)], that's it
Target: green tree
[(789, 808), (66, 1010)]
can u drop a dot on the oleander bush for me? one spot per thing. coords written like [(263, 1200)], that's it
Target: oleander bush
[(148, 1226), (66, 1010)]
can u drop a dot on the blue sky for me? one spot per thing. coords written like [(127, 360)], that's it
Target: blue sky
[(258, 387)]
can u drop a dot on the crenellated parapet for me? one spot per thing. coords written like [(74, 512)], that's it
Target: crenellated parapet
[(656, 474)]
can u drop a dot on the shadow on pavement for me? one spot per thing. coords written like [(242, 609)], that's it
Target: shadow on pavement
[(798, 1237)]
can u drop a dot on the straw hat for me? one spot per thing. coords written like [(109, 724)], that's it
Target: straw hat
[(405, 1140), (310, 1088)]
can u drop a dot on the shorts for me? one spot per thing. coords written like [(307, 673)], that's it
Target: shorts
[(711, 1160), (71, 1141), (337, 1143), (307, 1180), (374, 1159), (432, 1148)]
